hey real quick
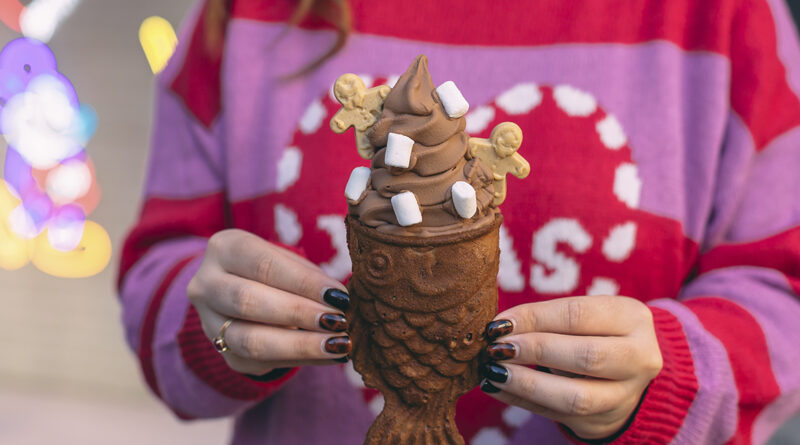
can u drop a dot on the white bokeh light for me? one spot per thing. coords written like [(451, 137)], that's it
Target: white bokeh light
[(68, 182), (40, 18), (21, 223), (65, 235), (38, 123)]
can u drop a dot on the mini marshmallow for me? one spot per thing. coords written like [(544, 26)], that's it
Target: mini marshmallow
[(406, 209), (454, 103), (464, 199), (357, 183), (398, 150)]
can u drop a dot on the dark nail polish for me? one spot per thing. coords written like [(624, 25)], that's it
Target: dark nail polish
[(344, 359), (501, 351), (337, 298), (487, 387), (333, 322), (338, 345), (495, 372), (499, 328)]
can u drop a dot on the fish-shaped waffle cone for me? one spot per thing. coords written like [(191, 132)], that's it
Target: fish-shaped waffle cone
[(419, 307)]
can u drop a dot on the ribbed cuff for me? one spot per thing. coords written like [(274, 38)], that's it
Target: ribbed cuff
[(666, 401), (200, 356)]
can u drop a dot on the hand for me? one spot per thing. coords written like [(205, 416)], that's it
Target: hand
[(602, 352), (269, 292)]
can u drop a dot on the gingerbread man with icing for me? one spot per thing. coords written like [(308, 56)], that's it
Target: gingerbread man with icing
[(499, 153), (361, 108)]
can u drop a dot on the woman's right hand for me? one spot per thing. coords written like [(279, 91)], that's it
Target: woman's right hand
[(283, 306)]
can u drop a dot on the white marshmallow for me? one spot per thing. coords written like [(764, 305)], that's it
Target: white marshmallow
[(464, 199), (454, 103), (406, 209), (398, 150), (357, 183)]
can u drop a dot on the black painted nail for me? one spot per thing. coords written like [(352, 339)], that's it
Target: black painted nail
[(344, 359), (495, 372), (499, 328), (487, 387), (337, 298), (501, 351), (338, 345), (333, 322)]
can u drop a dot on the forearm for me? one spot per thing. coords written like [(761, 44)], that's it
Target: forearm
[(740, 327)]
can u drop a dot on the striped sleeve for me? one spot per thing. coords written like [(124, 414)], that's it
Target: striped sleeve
[(738, 316), (184, 204)]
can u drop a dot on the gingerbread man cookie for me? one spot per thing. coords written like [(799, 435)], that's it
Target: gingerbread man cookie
[(499, 153), (361, 108)]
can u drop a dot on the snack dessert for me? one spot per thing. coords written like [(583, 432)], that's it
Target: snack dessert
[(423, 228)]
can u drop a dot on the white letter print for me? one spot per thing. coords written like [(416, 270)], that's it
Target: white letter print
[(565, 270), (339, 266)]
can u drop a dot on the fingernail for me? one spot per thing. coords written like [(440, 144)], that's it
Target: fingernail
[(501, 351), (344, 359), (499, 328), (337, 298), (338, 345), (333, 322), (495, 372), (487, 387)]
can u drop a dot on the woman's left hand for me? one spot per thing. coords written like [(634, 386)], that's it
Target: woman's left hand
[(602, 350)]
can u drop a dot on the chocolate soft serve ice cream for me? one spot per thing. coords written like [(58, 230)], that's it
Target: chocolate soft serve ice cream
[(439, 158), (422, 231)]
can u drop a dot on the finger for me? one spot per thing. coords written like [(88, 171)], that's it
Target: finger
[(601, 357), (595, 315), (593, 427), (511, 399), (570, 397), (245, 299), (253, 258), (268, 343), (212, 322), (260, 368)]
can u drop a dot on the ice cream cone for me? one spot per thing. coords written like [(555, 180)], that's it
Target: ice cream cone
[(419, 307), (423, 232)]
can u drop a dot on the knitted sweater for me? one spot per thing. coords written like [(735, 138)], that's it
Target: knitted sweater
[(664, 140)]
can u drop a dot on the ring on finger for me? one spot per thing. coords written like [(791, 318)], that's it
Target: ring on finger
[(219, 340)]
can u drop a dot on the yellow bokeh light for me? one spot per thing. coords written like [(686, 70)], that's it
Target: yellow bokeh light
[(89, 258), (158, 41), (15, 252)]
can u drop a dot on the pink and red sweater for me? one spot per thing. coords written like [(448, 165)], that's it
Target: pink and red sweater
[(664, 139)]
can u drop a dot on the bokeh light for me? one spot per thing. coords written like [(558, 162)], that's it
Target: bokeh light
[(10, 11), (39, 121), (89, 258), (158, 41), (68, 182), (14, 250), (40, 19), (49, 184)]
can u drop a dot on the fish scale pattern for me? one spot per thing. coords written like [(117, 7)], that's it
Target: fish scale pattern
[(418, 323)]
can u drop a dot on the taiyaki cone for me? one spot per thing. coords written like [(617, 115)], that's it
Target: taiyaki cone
[(419, 307)]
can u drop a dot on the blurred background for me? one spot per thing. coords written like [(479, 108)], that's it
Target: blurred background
[(66, 375)]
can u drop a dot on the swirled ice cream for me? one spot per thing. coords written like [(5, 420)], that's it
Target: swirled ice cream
[(438, 159)]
